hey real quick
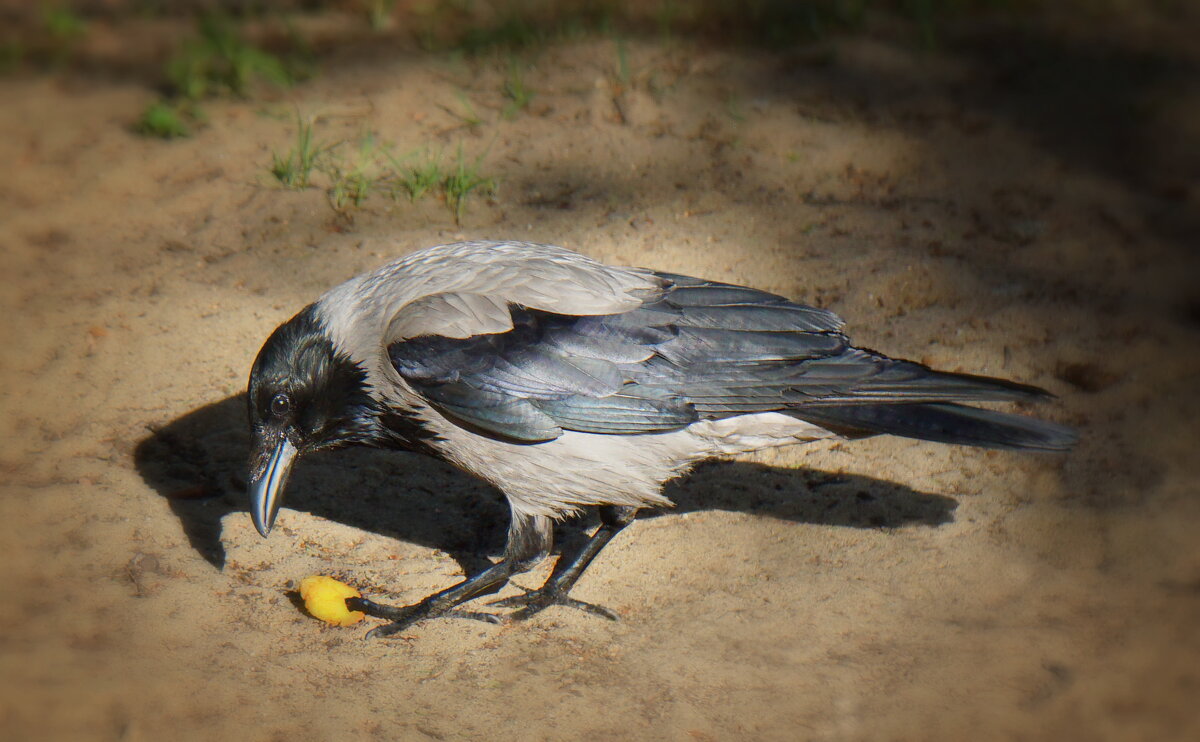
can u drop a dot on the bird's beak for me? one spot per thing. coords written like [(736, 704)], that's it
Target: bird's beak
[(266, 490)]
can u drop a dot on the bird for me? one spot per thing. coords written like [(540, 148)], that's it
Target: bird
[(567, 383)]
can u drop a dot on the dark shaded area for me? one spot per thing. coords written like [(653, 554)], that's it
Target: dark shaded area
[(1095, 104), (1095, 98), (198, 463), (1087, 377)]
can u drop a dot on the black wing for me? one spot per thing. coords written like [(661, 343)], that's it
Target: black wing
[(703, 350)]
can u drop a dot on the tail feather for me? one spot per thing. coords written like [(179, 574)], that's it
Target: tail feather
[(922, 384), (944, 423)]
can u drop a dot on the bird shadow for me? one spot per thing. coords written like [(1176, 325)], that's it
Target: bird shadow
[(198, 462)]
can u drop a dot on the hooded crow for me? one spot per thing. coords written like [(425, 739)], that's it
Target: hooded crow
[(567, 383)]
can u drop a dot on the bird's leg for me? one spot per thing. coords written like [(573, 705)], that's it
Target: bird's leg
[(612, 519), (529, 540)]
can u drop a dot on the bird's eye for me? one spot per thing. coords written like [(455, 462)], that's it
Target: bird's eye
[(281, 404)]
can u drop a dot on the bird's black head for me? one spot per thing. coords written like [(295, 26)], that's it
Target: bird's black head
[(304, 396)]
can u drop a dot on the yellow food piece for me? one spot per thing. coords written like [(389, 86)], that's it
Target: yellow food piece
[(325, 598)]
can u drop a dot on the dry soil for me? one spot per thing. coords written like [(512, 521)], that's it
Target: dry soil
[(1020, 202)]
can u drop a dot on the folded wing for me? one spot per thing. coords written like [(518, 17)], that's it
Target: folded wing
[(699, 350)]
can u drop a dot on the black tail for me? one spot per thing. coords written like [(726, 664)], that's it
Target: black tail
[(944, 423)]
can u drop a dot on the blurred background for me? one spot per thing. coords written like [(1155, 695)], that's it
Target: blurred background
[(1005, 187)]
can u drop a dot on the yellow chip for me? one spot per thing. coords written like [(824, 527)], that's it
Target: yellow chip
[(325, 598)]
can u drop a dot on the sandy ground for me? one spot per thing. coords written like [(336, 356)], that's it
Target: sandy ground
[(1022, 202)]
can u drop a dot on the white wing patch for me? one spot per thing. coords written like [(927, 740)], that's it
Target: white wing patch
[(747, 433), (453, 315), (462, 289)]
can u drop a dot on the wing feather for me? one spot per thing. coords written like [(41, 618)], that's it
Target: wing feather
[(697, 350)]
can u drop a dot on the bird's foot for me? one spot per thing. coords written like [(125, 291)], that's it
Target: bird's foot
[(402, 617), (535, 601)]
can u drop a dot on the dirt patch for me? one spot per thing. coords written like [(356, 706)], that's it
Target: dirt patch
[(950, 206)]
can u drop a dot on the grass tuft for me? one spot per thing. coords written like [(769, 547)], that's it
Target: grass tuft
[(216, 61), (350, 179), (379, 13), (463, 181), (622, 69), (519, 94), (294, 169), (353, 180), (62, 24), (469, 116), (12, 56), (219, 61), (65, 30), (418, 179), (162, 119)]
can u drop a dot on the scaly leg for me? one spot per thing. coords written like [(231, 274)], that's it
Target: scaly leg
[(529, 540), (612, 519)]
